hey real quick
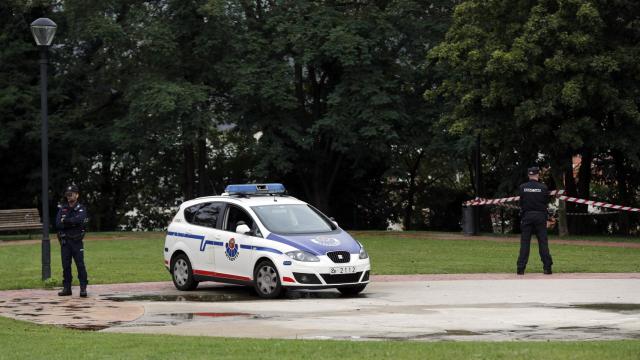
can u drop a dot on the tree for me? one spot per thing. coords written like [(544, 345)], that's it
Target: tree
[(542, 77), (331, 86), (20, 153)]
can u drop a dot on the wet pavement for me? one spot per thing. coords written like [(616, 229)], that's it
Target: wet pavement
[(492, 307)]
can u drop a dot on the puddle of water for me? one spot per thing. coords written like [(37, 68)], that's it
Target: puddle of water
[(174, 319), (461, 332), (185, 297), (86, 327), (614, 307), (222, 297), (588, 329), (430, 336), (217, 314), (298, 294), (191, 316), (74, 307)]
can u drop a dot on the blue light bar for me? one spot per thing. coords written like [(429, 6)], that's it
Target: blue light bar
[(255, 189)]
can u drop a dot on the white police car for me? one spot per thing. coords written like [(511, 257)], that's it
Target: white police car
[(255, 235)]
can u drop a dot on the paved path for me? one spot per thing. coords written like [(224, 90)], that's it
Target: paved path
[(419, 307)]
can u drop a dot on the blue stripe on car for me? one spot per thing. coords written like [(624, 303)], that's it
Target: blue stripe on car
[(190, 236), (261, 248), (204, 243)]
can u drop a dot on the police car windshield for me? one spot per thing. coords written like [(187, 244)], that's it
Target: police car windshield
[(293, 219)]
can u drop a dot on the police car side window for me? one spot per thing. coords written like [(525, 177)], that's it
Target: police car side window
[(205, 214), (236, 215), (190, 212)]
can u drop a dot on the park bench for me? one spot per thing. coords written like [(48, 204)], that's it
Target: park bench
[(20, 219)]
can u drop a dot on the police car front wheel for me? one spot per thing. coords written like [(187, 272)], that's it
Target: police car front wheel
[(267, 280), (182, 273)]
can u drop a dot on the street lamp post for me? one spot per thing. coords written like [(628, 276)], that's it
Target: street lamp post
[(43, 31)]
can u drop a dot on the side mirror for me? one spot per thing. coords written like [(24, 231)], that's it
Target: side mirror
[(333, 220), (243, 229)]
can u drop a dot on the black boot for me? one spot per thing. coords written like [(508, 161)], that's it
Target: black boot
[(548, 271), (83, 290), (66, 291)]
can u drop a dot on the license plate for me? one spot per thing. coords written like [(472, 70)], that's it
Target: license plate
[(343, 270)]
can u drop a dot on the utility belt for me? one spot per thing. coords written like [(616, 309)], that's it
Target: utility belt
[(524, 213), (64, 237)]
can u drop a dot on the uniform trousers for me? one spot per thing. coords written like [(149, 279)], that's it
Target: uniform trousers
[(534, 222), (73, 249)]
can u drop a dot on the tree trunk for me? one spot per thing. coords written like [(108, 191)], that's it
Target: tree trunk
[(557, 173), (623, 193), (188, 181), (202, 169), (571, 190), (411, 193), (583, 224), (106, 219)]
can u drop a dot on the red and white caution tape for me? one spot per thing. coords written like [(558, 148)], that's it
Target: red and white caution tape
[(594, 213), (559, 193), (598, 204), (477, 201)]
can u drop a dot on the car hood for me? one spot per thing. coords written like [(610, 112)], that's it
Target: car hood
[(319, 244)]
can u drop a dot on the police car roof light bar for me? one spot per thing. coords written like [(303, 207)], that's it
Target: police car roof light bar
[(254, 189)]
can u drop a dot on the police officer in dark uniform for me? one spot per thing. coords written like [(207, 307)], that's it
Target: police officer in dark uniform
[(70, 222), (534, 197)]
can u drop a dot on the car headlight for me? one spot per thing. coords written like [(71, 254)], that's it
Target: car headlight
[(300, 255), (363, 253)]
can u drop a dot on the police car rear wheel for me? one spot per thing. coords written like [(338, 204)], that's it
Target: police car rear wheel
[(183, 274), (352, 290), (267, 280)]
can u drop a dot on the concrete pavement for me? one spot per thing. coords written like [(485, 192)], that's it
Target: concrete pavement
[(491, 307)]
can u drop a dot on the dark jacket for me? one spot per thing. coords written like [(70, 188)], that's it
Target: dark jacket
[(534, 196), (71, 221)]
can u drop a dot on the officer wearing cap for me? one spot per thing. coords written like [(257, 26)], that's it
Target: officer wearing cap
[(534, 197), (70, 222)]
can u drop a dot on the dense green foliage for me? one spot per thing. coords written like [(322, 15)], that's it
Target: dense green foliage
[(542, 81), (158, 101), (368, 109), (137, 257)]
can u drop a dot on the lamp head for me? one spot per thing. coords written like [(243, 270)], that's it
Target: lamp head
[(43, 30)]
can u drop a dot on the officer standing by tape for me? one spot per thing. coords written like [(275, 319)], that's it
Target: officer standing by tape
[(70, 222), (534, 197)]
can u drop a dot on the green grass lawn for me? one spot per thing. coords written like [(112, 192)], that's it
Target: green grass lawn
[(50, 342), (391, 255), (136, 257)]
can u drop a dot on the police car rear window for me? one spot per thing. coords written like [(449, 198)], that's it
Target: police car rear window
[(292, 219)]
